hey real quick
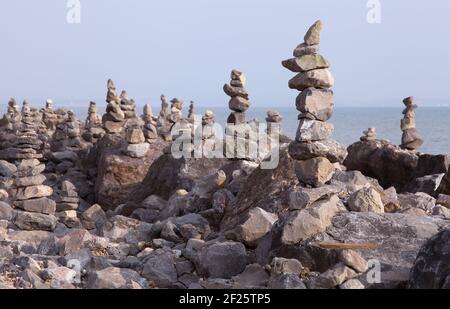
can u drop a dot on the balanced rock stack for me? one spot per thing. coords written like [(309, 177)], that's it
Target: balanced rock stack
[(208, 131), (135, 146), (93, 124), (67, 134), (28, 191), (11, 120), (369, 135), (176, 111), (273, 120), (191, 112), (313, 147), (67, 203), (127, 105), (411, 139), (163, 124), (48, 116), (150, 131), (239, 102), (114, 118)]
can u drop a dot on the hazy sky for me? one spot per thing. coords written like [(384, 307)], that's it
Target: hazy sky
[(186, 48)]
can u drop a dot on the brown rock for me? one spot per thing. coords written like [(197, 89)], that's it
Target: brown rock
[(306, 63), (316, 103), (312, 37), (315, 172), (41, 205), (321, 78)]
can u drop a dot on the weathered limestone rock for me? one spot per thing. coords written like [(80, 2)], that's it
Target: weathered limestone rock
[(319, 78), (332, 278), (316, 103), (306, 63), (116, 278), (315, 172), (35, 221), (327, 148), (366, 200), (258, 224)]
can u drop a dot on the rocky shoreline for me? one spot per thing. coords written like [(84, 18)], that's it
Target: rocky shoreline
[(104, 204)]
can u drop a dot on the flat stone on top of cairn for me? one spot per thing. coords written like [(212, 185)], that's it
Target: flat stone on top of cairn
[(313, 147), (411, 139)]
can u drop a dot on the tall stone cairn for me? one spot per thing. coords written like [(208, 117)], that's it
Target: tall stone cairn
[(114, 118), (127, 105), (239, 102), (164, 124), (150, 131), (191, 112), (411, 139), (313, 147)]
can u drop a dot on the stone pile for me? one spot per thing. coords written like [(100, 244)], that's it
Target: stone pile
[(11, 120), (150, 131), (313, 147), (191, 112), (135, 145), (163, 124), (114, 118), (176, 111), (411, 139), (67, 134), (127, 105), (369, 135), (208, 131), (239, 102), (49, 116), (93, 125), (67, 203), (274, 120)]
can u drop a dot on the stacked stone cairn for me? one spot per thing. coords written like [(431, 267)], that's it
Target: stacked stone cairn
[(369, 135), (49, 117), (28, 192), (67, 134), (239, 102), (135, 146), (93, 125), (313, 149), (127, 105), (176, 111), (411, 140), (150, 131), (163, 124), (274, 120), (114, 118), (11, 120), (208, 131), (191, 113), (67, 204)]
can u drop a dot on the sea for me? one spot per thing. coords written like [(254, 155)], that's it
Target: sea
[(433, 123)]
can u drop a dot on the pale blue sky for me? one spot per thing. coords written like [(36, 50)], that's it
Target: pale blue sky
[(186, 48)]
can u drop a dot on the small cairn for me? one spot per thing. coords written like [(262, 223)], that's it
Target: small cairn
[(369, 135), (164, 114), (163, 124), (11, 120), (67, 203), (28, 191), (67, 134), (114, 118), (313, 149), (127, 105), (135, 146), (49, 117), (239, 102), (274, 117), (93, 130), (191, 113), (176, 111), (208, 131), (411, 139), (150, 131)]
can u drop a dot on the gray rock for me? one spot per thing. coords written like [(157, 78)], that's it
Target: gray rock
[(303, 197), (29, 181), (418, 200), (33, 192), (253, 277), (304, 49), (281, 265), (431, 269), (258, 224), (222, 260), (7, 169), (6, 212), (321, 78), (353, 260), (286, 282), (136, 150), (306, 63), (35, 221), (352, 284), (443, 200), (41, 205), (332, 278), (312, 36), (313, 130), (159, 268), (327, 148), (427, 184), (315, 172), (316, 103)]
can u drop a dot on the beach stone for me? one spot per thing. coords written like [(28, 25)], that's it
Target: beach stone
[(303, 224), (258, 224), (366, 200), (35, 221), (304, 49), (313, 130), (33, 192), (239, 104), (353, 260), (431, 269), (116, 278), (316, 103), (40, 205), (312, 36), (327, 148), (222, 260), (315, 172), (29, 181), (306, 63), (320, 78)]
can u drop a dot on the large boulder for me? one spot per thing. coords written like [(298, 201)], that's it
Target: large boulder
[(119, 174), (444, 187), (431, 269)]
